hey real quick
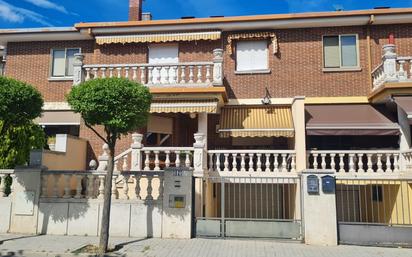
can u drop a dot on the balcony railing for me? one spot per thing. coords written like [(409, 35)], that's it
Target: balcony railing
[(183, 74), (392, 69)]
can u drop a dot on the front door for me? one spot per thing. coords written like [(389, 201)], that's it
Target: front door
[(167, 55)]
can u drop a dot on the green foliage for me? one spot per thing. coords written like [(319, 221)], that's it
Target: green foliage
[(20, 103), (120, 105), (17, 142)]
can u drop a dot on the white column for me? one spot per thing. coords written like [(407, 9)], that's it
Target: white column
[(298, 112), (200, 155), (404, 137), (103, 159), (218, 67), (136, 152), (389, 62), (78, 75)]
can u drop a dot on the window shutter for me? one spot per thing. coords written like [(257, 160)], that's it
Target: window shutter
[(69, 61), (331, 52), (349, 51), (58, 69), (251, 55)]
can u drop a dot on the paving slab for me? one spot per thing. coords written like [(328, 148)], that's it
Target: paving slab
[(62, 246)]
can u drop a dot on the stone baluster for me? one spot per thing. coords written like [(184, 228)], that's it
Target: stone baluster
[(173, 79), (199, 74), (124, 166), (259, 162), (161, 188), (242, 162), (3, 185), (143, 75), (177, 161), (101, 187), (90, 185), (402, 73), (87, 74), (332, 162), (150, 75), (234, 162), (159, 74), (114, 187), (134, 76), (13, 184), (156, 161), (396, 163), (341, 163), (187, 160), (284, 163), (137, 187), (147, 160), (136, 155), (275, 162), (119, 72), (167, 75), (218, 162), (115, 167), (149, 188), (125, 193), (191, 73), (351, 163), (251, 169), (323, 161), (226, 162), (78, 75), (95, 73), (369, 164), (111, 69), (208, 75), (79, 188), (218, 67), (315, 161), (182, 74), (267, 162), (293, 163), (379, 163), (126, 75), (167, 161), (66, 180), (103, 70), (388, 163), (210, 162), (360, 163)]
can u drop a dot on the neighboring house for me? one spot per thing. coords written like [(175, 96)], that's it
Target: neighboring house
[(273, 95)]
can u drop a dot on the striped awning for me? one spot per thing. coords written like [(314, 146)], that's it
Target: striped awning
[(54, 118), (184, 106), (158, 38), (256, 121)]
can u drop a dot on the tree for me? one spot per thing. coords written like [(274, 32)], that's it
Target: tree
[(118, 105), (20, 103)]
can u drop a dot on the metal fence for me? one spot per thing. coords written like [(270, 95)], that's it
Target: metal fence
[(382, 201), (267, 207)]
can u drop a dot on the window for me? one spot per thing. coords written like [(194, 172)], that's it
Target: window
[(161, 54), (340, 51), (62, 62), (252, 55)]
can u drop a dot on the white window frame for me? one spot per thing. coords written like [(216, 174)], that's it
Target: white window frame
[(341, 67), (51, 76), (267, 70)]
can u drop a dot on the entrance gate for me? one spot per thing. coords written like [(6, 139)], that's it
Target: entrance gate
[(374, 212), (261, 207)]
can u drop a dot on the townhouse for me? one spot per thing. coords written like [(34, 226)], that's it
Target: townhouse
[(263, 97)]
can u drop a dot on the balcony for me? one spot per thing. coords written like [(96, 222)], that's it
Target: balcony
[(392, 76), (185, 74)]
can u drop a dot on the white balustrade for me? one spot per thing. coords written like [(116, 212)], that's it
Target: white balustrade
[(191, 73), (252, 162), (359, 162)]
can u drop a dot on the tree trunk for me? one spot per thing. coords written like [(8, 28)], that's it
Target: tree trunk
[(105, 224)]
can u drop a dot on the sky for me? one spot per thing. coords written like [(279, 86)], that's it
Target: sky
[(63, 13)]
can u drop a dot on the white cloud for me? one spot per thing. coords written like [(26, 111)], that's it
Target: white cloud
[(48, 5), (14, 14)]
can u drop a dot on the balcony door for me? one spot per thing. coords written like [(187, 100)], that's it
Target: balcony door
[(165, 55)]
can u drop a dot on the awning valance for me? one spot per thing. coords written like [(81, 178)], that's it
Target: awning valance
[(256, 121), (348, 120), (158, 38), (405, 103), (59, 118), (184, 106), (253, 35)]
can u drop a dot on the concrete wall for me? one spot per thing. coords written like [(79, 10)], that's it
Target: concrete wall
[(74, 158)]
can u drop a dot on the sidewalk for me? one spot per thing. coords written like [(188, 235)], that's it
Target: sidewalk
[(62, 246)]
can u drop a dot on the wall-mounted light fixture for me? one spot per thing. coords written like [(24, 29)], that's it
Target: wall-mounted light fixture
[(266, 99)]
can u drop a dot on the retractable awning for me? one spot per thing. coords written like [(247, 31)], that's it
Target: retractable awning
[(405, 102), (256, 121), (184, 106), (55, 118), (158, 38), (348, 120)]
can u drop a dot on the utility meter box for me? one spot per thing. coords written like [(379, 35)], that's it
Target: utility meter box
[(328, 184), (177, 203), (312, 184)]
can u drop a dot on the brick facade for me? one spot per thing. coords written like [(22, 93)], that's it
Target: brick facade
[(295, 70)]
